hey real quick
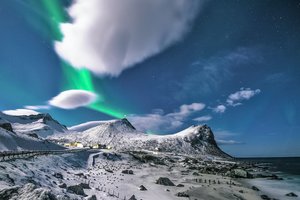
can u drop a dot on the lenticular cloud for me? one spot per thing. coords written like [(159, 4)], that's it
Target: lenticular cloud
[(71, 99), (108, 36)]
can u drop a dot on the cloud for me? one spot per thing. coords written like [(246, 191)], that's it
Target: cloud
[(219, 109), (71, 99), (203, 118), (20, 112), (228, 142), (186, 110), (158, 121), (38, 107), (224, 137), (280, 78), (109, 36), (204, 76), (244, 94)]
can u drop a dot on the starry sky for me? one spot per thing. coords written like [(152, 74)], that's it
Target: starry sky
[(234, 65)]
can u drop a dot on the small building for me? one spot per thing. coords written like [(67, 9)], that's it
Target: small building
[(98, 146), (78, 145), (74, 145), (67, 145)]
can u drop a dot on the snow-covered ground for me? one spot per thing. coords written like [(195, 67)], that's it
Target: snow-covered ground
[(100, 173)]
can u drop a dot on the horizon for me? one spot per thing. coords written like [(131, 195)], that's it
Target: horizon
[(231, 65)]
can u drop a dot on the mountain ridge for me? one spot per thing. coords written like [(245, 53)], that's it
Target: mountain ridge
[(122, 135)]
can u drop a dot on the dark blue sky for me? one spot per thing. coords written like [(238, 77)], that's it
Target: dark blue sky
[(253, 45)]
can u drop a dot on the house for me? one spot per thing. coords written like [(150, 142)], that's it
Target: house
[(67, 144), (98, 146), (74, 145), (78, 145)]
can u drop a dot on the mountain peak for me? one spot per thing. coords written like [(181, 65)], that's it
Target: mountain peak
[(127, 123)]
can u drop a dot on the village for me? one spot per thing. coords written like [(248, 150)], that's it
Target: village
[(80, 145)]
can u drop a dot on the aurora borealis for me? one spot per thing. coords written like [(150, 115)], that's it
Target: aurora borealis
[(54, 12), (236, 60)]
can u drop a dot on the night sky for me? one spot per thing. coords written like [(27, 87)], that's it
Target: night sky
[(234, 65)]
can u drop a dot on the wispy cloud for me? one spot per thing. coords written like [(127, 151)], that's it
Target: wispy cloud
[(114, 35), (207, 75), (228, 142), (203, 118), (224, 137), (219, 109), (235, 99), (158, 121), (38, 107), (279, 77)]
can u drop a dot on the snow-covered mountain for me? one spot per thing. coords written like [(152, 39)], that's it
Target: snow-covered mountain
[(121, 135), (24, 132), (41, 125), (21, 132), (10, 141)]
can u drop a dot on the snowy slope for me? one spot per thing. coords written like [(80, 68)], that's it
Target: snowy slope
[(10, 141), (85, 126), (120, 134), (112, 133), (42, 125)]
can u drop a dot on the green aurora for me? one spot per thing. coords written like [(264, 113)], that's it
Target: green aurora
[(74, 78)]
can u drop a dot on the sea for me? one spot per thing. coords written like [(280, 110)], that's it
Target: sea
[(287, 168)]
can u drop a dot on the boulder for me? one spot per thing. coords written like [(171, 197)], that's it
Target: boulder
[(196, 174), (291, 194), (265, 197), (164, 181), (142, 188), (93, 197), (132, 198), (127, 171), (255, 188), (182, 194), (76, 189), (180, 185), (85, 185), (240, 173), (63, 185), (58, 175)]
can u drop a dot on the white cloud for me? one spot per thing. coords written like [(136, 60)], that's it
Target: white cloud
[(38, 107), (20, 112), (71, 99), (186, 110), (219, 109), (244, 94), (158, 121), (108, 36), (228, 142), (203, 118), (224, 137)]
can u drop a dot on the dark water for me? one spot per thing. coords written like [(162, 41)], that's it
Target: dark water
[(286, 168), (287, 165)]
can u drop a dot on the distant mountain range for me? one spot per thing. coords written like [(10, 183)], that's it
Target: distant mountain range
[(17, 131)]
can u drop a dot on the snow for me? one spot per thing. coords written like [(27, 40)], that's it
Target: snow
[(13, 141), (121, 135), (40, 124), (24, 129), (85, 126)]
